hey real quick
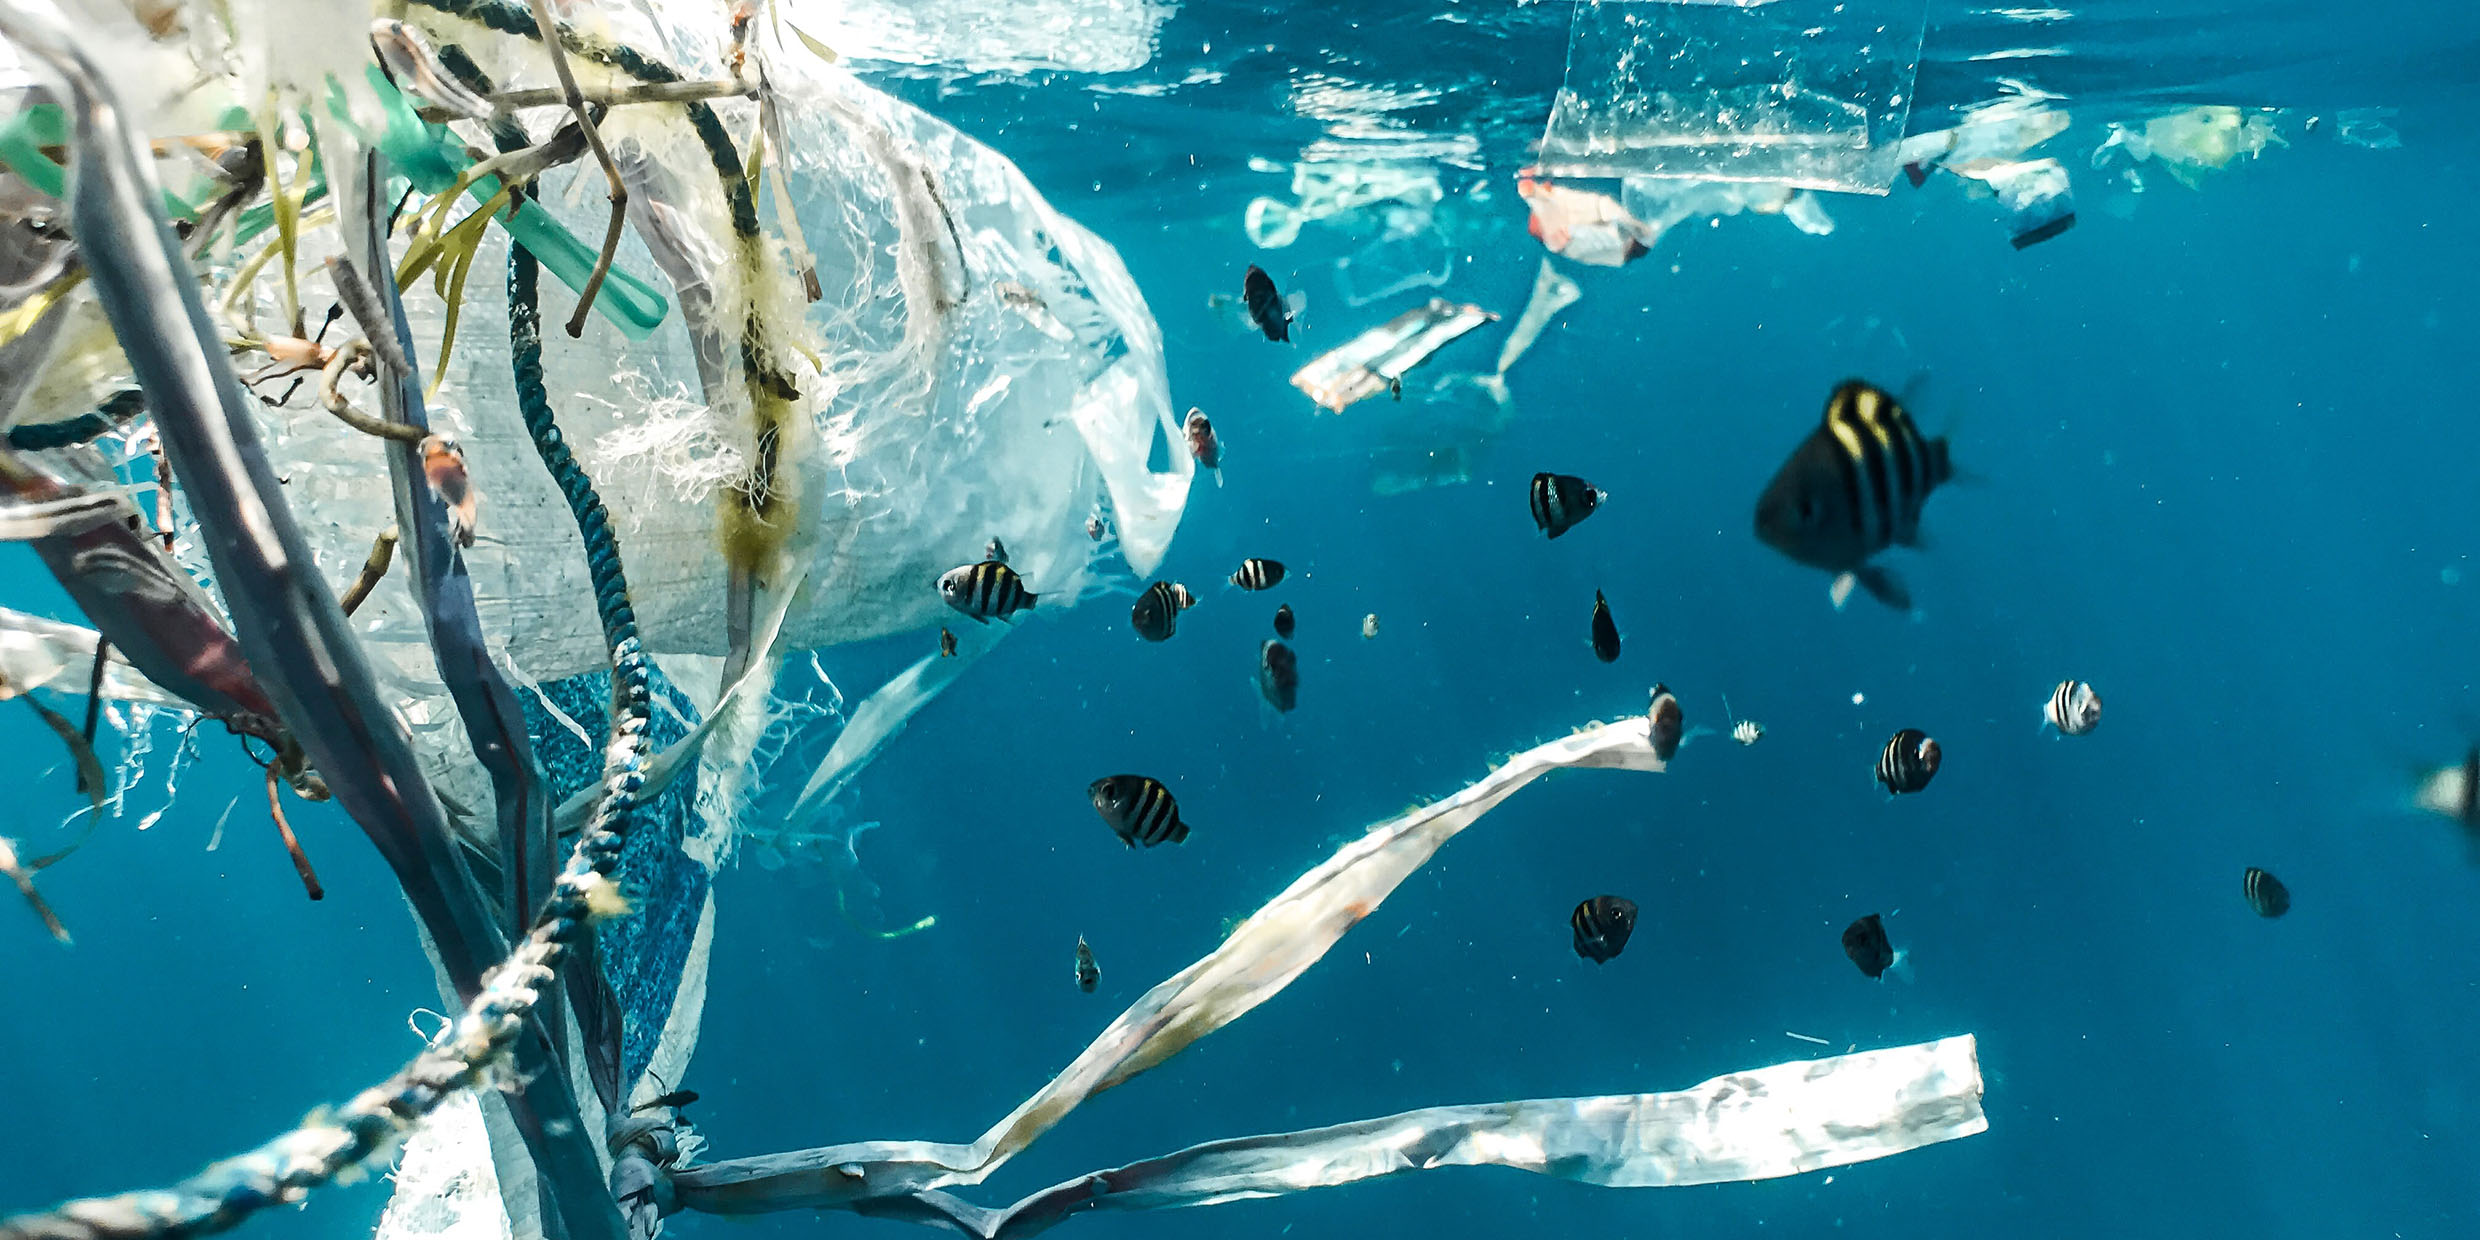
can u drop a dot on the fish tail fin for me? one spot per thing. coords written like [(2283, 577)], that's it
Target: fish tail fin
[(1882, 585), (1901, 969), (1179, 832)]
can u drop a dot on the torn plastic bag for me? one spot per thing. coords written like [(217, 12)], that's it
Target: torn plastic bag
[(942, 415), (1413, 254), (1807, 93), (1322, 189), (1365, 365), (1588, 227), (1764, 1123)]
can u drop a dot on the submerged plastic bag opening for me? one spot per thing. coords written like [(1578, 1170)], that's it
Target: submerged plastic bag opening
[(1805, 93)]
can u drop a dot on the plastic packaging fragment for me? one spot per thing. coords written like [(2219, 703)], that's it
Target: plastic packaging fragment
[(36, 653), (1666, 203), (1810, 93), (1987, 149), (1552, 292), (2367, 127), (1413, 254), (1075, 36), (1361, 367), (1763, 1123), (2187, 143), (1323, 189), (1588, 227), (1261, 957)]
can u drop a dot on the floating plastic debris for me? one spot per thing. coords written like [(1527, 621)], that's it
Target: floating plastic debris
[(1322, 189), (1369, 362), (1987, 151), (1807, 93), (1413, 254), (1023, 36), (1588, 227), (2188, 143), (2368, 127)]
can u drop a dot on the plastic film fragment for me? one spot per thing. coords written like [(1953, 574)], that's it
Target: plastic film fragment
[(1363, 366), (1806, 93)]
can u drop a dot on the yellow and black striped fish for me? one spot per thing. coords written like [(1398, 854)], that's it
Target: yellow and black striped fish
[(1138, 809), (2265, 893), (1087, 972), (1257, 574), (1562, 500), (1602, 925), (1157, 612), (1909, 762), (1853, 488), (985, 591)]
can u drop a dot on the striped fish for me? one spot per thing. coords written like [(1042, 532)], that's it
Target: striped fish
[(1560, 501), (1157, 612), (1602, 925), (1256, 574), (1087, 972), (2265, 893), (1910, 761), (1853, 488), (1138, 809), (2073, 708), (985, 591)]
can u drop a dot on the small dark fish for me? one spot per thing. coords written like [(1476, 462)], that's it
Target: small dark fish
[(1395, 387), (2265, 893), (1909, 762), (2073, 708), (1865, 942), (1138, 809), (1087, 972), (1157, 613), (1278, 675), (1283, 621), (1605, 631), (1853, 488), (985, 590), (995, 552), (947, 643), (1560, 501), (674, 1100), (1093, 528), (1267, 308), (1255, 574), (1602, 926), (1669, 723), (1199, 430)]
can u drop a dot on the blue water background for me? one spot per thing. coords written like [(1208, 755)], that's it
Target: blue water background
[(2223, 454)]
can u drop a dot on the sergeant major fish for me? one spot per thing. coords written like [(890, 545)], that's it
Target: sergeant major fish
[(1138, 809), (1602, 925), (1087, 972), (2266, 895), (2073, 708), (1257, 574), (985, 591), (1909, 762), (1560, 501), (1157, 611), (1853, 488)]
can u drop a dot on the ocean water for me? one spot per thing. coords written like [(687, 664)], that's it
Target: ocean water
[(2220, 458)]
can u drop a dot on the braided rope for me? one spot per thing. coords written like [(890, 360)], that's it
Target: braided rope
[(478, 1050)]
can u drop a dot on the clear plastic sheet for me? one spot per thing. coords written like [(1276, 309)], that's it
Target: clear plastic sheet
[(1807, 93), (978, 36)]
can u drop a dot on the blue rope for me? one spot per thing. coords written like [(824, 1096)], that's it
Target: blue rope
[(631, 690)]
